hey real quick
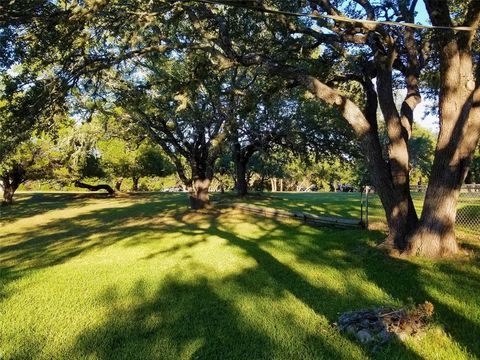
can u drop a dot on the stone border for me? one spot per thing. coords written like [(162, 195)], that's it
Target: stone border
[(311, 219)]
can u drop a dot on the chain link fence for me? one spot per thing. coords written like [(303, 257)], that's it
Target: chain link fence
[(468, 208)]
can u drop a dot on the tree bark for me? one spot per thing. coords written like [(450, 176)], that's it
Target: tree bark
[(8, 192), (11, 180), (391, 183), (402, 217), (457, 140), (118, 184), (240, 169), (95, 187), (199, 197), (241, 174), (241, 158), (135, 180)]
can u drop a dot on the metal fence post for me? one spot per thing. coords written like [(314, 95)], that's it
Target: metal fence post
[(367, 188), (361, 208)]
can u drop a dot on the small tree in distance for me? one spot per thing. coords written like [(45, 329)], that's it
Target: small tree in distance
[(34, 159)]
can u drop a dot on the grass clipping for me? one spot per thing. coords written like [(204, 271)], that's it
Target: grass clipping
[(384, 324)]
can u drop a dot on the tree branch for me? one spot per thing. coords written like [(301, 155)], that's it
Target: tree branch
[(367, 6)]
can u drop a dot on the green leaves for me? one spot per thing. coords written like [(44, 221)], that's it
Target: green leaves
[(421, 150), (38, 158)]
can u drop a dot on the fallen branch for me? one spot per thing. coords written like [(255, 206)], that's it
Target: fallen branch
[(106, 187)]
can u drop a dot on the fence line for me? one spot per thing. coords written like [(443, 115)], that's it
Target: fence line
[(468, 207)]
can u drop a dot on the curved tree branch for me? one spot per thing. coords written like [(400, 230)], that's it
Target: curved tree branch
[(106, 187)]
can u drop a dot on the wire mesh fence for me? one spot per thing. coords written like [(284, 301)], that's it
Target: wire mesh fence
[(468, 207)]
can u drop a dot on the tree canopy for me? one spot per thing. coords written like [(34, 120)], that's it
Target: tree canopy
[(202, 77)]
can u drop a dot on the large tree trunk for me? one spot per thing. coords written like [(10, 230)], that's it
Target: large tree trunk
[(391, 182), (459, 134), (199, 197), (364, 124), (400, 221), (401, 216)]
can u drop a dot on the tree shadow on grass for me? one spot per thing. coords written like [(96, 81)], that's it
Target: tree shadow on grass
[(188, 320), (28, 205), (191, 320), (381, 269), (181, 321), (290, 280), (32, 204), (440, 284), (324, 301), (66, 238)]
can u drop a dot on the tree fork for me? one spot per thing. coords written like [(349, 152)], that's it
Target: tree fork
[(403, 218)]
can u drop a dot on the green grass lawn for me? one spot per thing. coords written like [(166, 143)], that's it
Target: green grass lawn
[(340, 204), (141, 277), (348, 205)]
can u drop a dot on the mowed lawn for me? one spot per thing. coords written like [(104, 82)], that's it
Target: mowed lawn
[(142, 277), (339, 204), (349, 205)]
